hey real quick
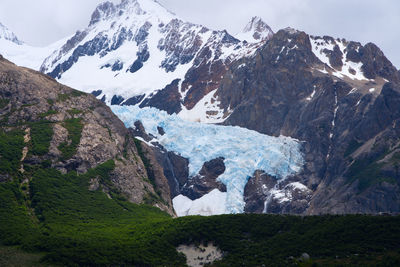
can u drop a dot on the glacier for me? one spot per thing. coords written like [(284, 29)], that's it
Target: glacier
[(245, 151)]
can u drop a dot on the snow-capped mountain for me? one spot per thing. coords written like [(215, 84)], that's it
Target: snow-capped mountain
[(292, 98), (23, 54), (255, 31), (8, 35), (136, 51)]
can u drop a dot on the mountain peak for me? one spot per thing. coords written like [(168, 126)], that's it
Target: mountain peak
[(102, 11), (108, 10), (290, 30), (6, 34), (255, 31)]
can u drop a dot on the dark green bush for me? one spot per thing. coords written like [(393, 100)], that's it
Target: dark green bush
[(74, 127), (4, 102), (11, 145), (48, 113), (41, 135)]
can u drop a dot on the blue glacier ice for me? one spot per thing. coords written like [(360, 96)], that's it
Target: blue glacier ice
[(245, 151)]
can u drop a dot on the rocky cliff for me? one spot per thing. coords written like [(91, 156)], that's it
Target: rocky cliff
[(74, 132), (342, 100)]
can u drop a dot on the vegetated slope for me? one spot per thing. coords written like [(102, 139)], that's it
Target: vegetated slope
[(46, 126), (139, 236)]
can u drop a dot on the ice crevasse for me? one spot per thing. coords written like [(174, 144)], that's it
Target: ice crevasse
[(245, 151)]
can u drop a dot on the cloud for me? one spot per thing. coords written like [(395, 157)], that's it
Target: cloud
[(41, 22)]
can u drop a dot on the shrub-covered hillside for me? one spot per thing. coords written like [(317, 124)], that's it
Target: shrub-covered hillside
[(74, 226)]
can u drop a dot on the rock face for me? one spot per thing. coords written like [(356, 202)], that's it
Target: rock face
[(84, 133), (341, 99), (256, 191), (264, 194), (255, 31), (206, 180)]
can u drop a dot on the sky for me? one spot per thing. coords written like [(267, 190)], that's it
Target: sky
[(41, 22)]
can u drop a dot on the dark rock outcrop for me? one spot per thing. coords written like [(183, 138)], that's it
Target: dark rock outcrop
[(168, 99), (206, 180), (175, 168), (264, 193), (97, 93), (116, 100), (133, 100), (142, 56), (256, 190), (375, 64)]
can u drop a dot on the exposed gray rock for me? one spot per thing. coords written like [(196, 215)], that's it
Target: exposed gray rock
[(347, 127), (265, 194), (206, 180), (256, 192), (168, 99)]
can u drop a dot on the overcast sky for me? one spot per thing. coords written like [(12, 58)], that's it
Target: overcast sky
[(40, 22)]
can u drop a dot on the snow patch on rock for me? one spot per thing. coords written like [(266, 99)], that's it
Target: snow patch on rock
[(207, 110), (255, 31), (286, 194), (350, 69)]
